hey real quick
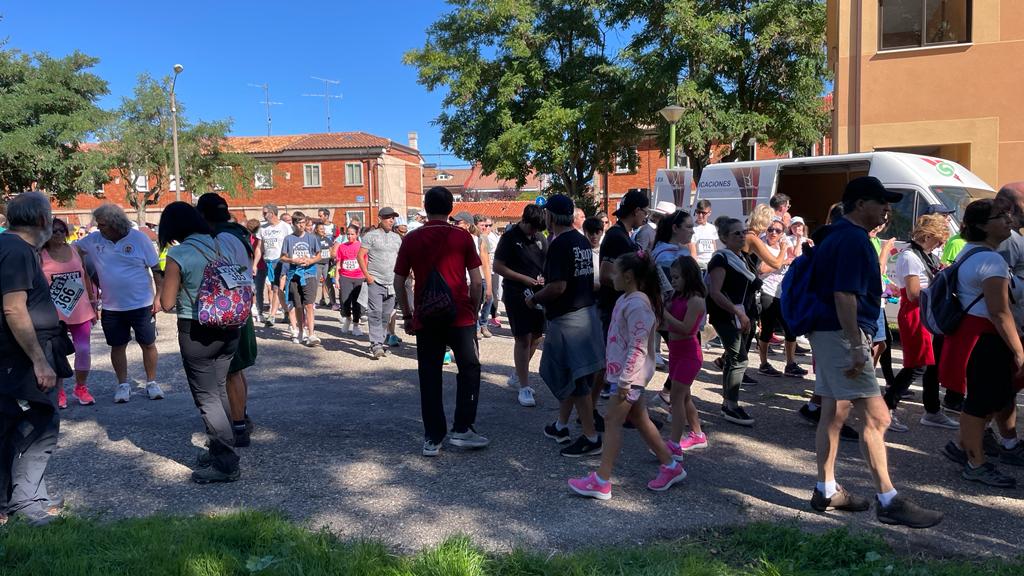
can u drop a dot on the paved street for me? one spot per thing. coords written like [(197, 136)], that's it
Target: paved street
[(338, 440)]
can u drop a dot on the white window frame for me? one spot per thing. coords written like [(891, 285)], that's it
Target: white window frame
[(307, 179), (620, 158), (360, 214), (263, 180), (444, 177), (348, 180), (135, 182)]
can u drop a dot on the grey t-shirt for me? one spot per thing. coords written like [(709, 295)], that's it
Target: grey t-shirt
[(381, 254), (304, 246)]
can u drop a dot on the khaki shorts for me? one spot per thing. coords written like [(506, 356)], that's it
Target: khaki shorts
[(831, 359)]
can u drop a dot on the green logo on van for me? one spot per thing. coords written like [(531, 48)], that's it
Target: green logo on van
[(945, 168)]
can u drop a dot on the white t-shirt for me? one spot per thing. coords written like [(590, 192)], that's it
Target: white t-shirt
[(973, 272), (908, 263), (705, 236), (272, 239), (123, 267), (771, 281)]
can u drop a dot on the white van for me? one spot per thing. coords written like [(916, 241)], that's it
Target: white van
[(813, 184)]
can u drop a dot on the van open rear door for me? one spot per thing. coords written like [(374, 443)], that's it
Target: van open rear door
[(675, 186), (734, 190)]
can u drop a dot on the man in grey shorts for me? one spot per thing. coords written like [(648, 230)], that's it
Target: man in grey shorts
[(848, 285)]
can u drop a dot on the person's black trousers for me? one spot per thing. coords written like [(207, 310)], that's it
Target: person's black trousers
[(430, 349), (206, 354), (27, 440), (261, 283)]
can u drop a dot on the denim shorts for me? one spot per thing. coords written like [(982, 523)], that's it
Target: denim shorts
[(118, 326), (880, 327)]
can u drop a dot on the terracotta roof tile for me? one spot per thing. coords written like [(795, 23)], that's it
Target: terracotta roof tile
[(260, 144), (479, 181), (325, 141), (459, 176), (496, 210)]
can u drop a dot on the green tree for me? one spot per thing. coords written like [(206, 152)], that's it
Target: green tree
[(47, 109), (139, 145), (531, 85), (742, 69)]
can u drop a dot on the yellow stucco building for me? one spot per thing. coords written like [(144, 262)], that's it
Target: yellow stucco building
[(937, 77)]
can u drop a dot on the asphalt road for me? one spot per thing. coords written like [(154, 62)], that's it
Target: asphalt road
[(338, 438)]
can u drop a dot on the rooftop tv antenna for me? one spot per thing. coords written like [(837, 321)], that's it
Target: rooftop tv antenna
[(267, 102), (326, 96)]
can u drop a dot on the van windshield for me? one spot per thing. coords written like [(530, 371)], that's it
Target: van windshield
[(954, 198)]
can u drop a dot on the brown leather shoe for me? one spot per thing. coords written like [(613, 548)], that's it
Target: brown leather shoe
[(841, 500)]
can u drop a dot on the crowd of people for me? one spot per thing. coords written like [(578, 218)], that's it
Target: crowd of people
[(599, 301)]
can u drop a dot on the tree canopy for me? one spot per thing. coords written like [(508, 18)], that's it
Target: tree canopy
[(742, 69), (47, 110), (531, 85), (139, 144)]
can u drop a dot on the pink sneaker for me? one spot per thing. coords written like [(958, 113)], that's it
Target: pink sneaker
[(494, 322), (694, 442), (674, 450), (667, 477), (81, 393), (62, 399), (590, 486)]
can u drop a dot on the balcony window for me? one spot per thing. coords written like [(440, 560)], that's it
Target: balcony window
[(920, 23)]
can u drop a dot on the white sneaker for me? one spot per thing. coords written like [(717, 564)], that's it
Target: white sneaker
[(294, 332), (154, 391), (313, 341), (895, 425), (346, 326), (467, 439), (123, 393), (513, 381), (526, 397), (939, 420), (357, 331), (803, 341)]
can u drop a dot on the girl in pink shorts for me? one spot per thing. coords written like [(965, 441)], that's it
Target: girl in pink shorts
[(684, 315)]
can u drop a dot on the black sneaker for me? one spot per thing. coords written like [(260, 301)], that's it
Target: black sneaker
[(903, 512), (769, 370), (582, 447), (204, 459), (801, 351), (795, 370), (737, 416), (242, 439), (1012, 456), (988, 475), (841, 500), (748, 380), (211, 474), (249, 426), (561, 436), (990, 444), (810, 416), (955, 453), (953, 404)]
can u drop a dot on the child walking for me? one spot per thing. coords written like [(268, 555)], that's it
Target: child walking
[(683, 318), (629, 365)]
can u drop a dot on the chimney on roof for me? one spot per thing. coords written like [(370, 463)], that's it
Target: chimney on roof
[(414, 141)]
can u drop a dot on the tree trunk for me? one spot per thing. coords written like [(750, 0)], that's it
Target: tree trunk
[(140, 208)]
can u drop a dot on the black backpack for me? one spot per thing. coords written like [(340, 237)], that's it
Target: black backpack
[(436, 308)]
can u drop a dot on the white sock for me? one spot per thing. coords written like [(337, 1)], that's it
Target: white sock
[(886, 498), (560, 425), (672, 465), (813, 407), (1009, 443), (827, 488), (593, 439)]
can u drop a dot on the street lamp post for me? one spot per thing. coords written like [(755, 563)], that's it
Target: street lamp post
[(174, 134), (672, 114)]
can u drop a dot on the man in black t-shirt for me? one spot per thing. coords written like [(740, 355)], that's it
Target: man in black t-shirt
[(573, 348), (30, 341), (519, 260)]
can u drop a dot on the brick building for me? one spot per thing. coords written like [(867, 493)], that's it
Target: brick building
[(353, 174)]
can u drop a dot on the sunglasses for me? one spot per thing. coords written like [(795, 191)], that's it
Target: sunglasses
[(775, 231), (703, 212), (59, 230)]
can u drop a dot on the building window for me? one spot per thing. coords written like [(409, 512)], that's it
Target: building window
[(264, 178), (443, 176), (622, 161), (353, 174), (311, 175), (919, 23), (355, 216), (140, 182)]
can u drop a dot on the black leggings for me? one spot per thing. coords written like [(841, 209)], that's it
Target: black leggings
[(771, 316)]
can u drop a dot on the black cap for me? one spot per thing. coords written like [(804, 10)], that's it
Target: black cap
[(869, 188), (213, 207), (938, 209), (631, 201), (387, 213), (463, 216), (560, 204)]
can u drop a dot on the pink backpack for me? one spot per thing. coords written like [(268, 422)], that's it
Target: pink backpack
[(225, 295)]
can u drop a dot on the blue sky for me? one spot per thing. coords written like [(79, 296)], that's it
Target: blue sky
[(225, 45)]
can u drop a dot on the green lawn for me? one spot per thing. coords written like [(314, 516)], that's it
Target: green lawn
[(266, 544)]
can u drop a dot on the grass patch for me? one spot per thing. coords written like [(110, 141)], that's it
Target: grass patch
[(265, 544)]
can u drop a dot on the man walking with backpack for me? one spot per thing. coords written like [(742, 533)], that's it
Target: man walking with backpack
[(847, 284), (439, 255)]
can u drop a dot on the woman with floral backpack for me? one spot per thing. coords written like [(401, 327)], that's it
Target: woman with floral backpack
[(208, 281)]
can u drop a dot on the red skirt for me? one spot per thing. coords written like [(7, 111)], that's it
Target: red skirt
[(915, 339), (956, 351)]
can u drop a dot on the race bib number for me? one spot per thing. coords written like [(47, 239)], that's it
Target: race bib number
[(706, 245), (65, 291), (232, 276), (350, 265)]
